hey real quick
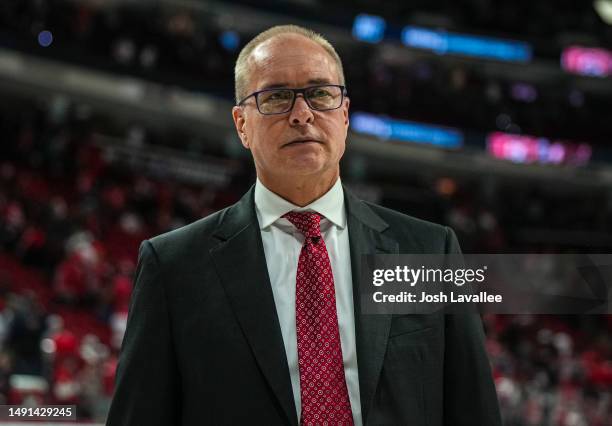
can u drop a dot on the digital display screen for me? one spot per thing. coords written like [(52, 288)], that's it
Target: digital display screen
[(401, 130), (532, 150), (443, 43), (587, 61)]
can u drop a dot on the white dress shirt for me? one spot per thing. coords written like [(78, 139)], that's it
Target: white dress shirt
[(282, 245)]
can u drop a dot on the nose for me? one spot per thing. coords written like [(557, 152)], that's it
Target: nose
[(301, 113)]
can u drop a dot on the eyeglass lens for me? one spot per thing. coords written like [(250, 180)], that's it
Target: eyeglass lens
[(280, 100)]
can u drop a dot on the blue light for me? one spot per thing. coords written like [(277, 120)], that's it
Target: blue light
[(45, 38), (229, 40), (370, 28), (387, 128), (443, 42), (422, 38)]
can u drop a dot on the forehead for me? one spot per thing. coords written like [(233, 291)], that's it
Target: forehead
[(291, 60)]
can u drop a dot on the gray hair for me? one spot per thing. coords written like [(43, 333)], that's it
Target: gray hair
[(241, 70)]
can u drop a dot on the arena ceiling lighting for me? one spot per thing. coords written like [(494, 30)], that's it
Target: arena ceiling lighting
[(536, 150), (385, 128), (373, 29), (604, 9), (443, 42), (369, 28), (592, 62)]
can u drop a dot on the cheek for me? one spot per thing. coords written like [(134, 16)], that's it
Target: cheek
[(342, 131), (264, 139), (337, 132), (266, 129), (341, 149), (253, 131), (339, 121)]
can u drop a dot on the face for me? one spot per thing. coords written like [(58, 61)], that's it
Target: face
[(292, 61)]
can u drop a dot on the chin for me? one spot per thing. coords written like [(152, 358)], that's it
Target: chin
[(305, 166)]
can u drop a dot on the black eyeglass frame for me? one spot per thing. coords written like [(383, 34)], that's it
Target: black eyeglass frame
[(343, 94)]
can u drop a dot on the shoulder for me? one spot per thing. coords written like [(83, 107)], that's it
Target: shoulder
[(188, 239), (394, 217), (427, 236)]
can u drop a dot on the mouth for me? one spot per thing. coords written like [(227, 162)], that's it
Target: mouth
[(301, 141)]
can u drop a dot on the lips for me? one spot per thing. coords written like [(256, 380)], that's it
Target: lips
[(302, 140)]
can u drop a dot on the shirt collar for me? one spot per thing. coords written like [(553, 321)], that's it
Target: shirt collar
[(270, 206)]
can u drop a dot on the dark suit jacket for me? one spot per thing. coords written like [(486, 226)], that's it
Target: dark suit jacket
[(203, 344)]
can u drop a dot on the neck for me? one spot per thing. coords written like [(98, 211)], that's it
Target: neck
[(301, 190)]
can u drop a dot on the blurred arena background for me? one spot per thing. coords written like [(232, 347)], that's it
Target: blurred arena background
[(492, 117)]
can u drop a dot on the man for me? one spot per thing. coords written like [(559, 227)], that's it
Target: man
[(252, 315)]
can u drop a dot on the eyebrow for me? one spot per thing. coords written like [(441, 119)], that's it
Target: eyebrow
[(311, 81)]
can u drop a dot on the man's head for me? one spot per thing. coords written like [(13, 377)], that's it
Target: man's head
[(290, 57)]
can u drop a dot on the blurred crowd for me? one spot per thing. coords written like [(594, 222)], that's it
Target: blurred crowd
[(552, 369), (70, 227), (148, 40), (428, 90)]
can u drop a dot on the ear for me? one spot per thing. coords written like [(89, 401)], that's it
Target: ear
[(345, 111), (240, 124)]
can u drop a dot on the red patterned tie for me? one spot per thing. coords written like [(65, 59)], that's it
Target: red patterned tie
[(323, 390)]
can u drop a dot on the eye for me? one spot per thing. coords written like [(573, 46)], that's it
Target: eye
[(319, 92), (280, 95)]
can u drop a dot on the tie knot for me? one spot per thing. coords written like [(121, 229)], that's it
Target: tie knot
[(308, 223)]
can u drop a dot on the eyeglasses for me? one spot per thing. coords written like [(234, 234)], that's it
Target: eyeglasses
[(322, 97)]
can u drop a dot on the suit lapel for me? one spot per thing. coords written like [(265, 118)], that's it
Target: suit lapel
[(371, 331), (240, 262)]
